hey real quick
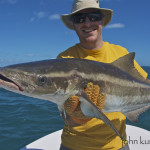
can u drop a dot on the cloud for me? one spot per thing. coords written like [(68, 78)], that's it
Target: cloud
[(41, 14), (115, 25), (11, 2), (54, 17), (38, 16), (32, 19)]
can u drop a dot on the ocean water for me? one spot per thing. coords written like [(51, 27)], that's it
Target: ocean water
[(24, 119)]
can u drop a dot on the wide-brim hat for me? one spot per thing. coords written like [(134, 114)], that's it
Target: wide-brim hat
[(79, 5)]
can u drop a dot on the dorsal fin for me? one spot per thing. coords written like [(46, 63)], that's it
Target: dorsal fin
[(126, 63)]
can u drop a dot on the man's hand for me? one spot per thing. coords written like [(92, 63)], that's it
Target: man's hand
[(74, 115)]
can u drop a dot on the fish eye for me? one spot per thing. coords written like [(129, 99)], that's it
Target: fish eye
[(41, 80)]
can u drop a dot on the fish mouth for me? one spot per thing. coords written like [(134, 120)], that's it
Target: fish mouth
[(8, 83)]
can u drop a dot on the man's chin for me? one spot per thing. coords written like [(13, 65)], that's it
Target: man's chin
[(90, 39)]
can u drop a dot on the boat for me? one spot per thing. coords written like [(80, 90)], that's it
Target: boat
[(138, 139)]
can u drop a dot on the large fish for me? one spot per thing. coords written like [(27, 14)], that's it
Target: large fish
[(56, 80)]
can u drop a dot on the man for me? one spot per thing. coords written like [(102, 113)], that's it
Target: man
[(88, 20)]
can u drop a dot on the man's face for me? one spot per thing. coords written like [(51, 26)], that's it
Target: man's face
[(89, 31)]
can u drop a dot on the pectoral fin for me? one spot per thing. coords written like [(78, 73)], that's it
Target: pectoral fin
[(90, 110), (133, 115)]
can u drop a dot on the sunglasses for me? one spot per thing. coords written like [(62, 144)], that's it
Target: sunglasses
[(81, 17)]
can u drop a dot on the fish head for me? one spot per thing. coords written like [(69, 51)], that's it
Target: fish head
[(43, 80)]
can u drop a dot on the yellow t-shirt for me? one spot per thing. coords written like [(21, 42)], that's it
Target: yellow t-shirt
[(95, 134)]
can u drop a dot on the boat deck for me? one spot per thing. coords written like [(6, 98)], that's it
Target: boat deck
[(138, 139)]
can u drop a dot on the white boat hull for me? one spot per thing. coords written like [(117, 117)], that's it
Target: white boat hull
[(138, 139)]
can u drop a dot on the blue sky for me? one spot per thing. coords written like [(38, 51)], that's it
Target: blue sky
[(32, 30)]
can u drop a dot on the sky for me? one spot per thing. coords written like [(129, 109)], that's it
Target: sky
[(31, 30)]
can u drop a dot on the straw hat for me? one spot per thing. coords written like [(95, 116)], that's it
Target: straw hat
[(79, 5)]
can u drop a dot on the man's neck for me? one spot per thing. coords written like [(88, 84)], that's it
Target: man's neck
[(92, 46)]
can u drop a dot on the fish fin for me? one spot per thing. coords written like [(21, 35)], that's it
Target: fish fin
[(133, 115), (89, 109), (62, 110), (126, 63)]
